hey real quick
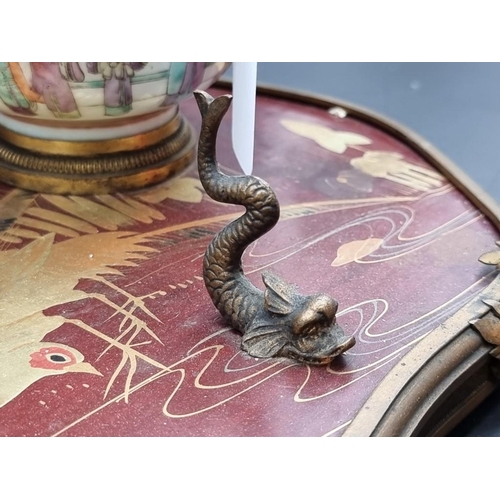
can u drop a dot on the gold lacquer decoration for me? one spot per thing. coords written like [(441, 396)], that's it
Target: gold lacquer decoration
[(279, 322), (393, 167), (355, 250), (51, 271), (332, 140), (491, 258), (372, 164)]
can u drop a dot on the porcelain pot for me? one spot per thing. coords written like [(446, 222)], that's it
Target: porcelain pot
[(96, 127)]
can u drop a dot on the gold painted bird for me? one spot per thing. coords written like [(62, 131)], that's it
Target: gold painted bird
[(24, 359), (41, 275)]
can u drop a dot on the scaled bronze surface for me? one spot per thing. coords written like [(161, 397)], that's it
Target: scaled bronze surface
[(279, 322)]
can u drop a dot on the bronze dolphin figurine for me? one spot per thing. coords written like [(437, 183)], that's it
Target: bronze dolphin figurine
[(279, 322)]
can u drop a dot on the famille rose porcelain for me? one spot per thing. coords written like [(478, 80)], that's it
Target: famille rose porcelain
[(90, 127)]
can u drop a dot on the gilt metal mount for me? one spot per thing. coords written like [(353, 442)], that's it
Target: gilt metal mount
[(279, 322)]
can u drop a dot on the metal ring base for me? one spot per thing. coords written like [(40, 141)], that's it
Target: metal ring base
[(99, 173)]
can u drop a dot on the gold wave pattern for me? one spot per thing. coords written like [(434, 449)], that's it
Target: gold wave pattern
[(242, 375), (388, 240), (256, 372)]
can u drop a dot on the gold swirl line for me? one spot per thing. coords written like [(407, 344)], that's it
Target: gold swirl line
[(375, 363), (225, 217), (164, 370), (215, 405), (199, 385), (298, 399), (320, 204), (218, 348), (432, 231), (312, 240), (442, 306), (419, 247), (208, 337), (338, 428)]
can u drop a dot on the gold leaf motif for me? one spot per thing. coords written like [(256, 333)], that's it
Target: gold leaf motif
[(355, 250), (332, 140), (46, 226), (22, 233), (15, 203), (80, 214), (85, 209), (62, 219), (356, 179), (51, 271), (125, 208), (393, 167), (7, 238), (19, 266), (490, 258), (184, 189), (152, 212), (12, 205)]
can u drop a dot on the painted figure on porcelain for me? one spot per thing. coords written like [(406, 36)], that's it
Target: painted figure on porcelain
[(117, 78), (51, 83)]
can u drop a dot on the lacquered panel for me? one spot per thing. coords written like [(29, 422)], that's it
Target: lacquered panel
[(106, 327)]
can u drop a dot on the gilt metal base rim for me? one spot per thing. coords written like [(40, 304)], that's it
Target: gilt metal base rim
[(98, 174)]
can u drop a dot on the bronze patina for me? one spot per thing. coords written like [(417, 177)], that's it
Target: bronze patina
[(279, 322)]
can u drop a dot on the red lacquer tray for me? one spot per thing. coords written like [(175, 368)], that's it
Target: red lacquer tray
[(106, 328)]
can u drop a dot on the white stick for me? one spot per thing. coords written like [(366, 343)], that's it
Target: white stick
[(243, 129)]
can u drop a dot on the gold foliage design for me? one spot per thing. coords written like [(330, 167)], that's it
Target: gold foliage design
[(92, 247), (332, 140), (184, 189), (356, 250), (372, 164), (21, 217), (393, 167), (491, 258)]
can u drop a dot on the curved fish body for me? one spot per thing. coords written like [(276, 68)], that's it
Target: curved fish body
[(279, 321)]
